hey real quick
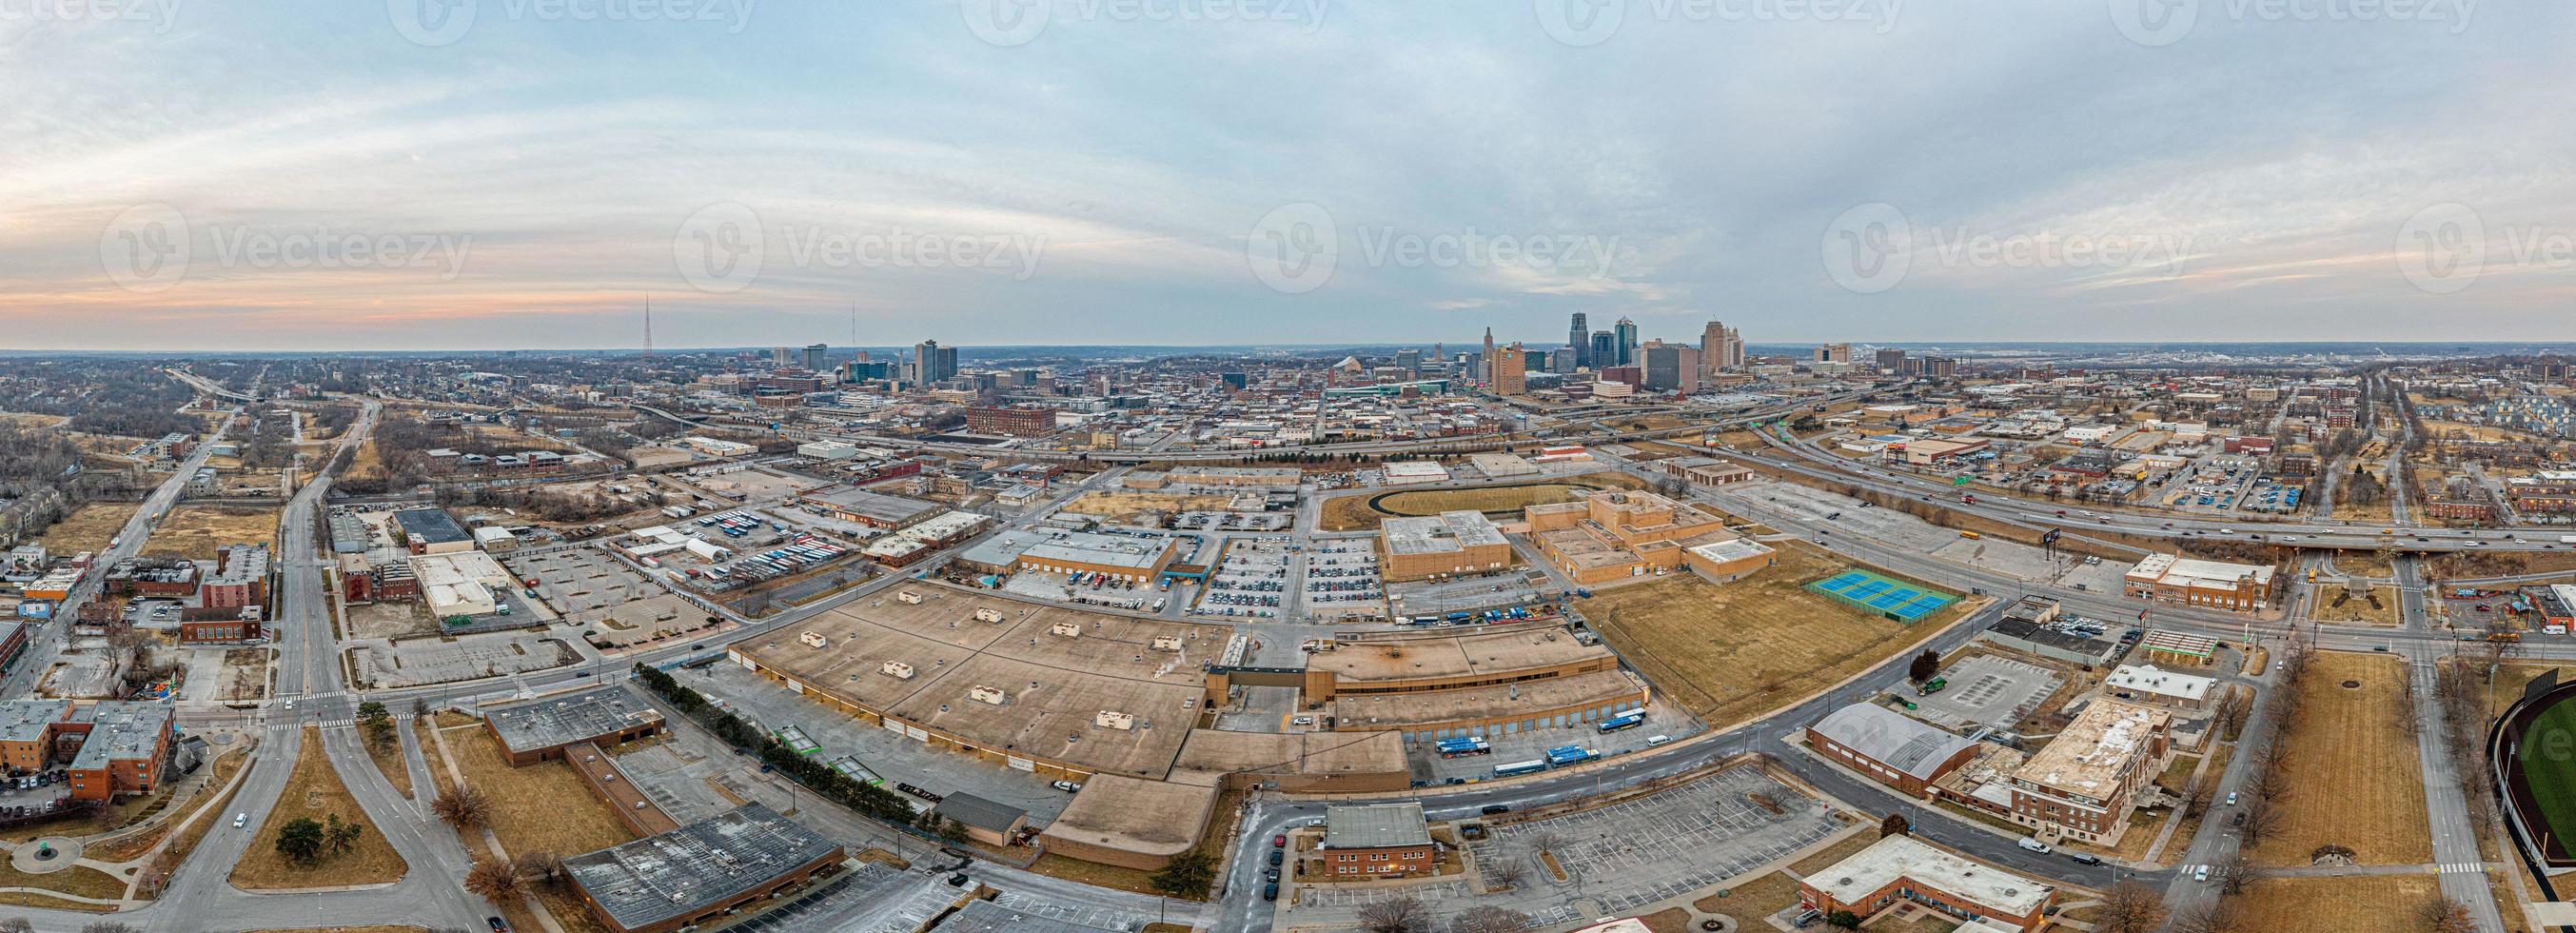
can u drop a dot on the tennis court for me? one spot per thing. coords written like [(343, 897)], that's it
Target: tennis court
[(1869, 592)]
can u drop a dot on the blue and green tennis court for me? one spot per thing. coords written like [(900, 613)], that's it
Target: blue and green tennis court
[(1895, 599)]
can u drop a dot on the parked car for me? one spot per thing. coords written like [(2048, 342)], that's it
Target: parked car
[(2081, 859), (1065, 786)]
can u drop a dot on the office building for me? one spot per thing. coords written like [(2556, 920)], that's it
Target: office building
[(1456, 542), (1384, 839), (698, 872), (1891, 359), (1015, 421), (2216, 584), (814, 354), (1578, 340), (1511, 370), (1626, 331), (932, 363), (1605, 350), (1721, 349), (1408, 360), (1671, 367), (1834, 353)]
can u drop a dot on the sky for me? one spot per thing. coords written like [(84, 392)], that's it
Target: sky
[(493, 174)]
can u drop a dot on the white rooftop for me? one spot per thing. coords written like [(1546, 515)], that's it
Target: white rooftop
[(1894, 857), (2148, 678)]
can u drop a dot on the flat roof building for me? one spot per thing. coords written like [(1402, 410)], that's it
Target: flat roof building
[(681, 878), (874, 509), (2086, 781), (2151, 684), (1455, 542), (1385, 839), (432, 531), (2217, 584), (1901, 869), (125, 747), (539, 730)]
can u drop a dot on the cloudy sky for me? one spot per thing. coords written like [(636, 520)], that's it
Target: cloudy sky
[(180, 174)]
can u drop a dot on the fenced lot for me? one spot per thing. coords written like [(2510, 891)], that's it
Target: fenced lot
[(1663, 845), (1728, 651)]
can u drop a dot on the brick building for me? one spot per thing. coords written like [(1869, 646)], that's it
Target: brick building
[(1376, 840)]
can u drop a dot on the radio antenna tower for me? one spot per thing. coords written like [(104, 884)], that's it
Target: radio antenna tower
[(648, 326)]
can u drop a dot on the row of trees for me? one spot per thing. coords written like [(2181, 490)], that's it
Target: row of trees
[(1408, 914), (867, 799)]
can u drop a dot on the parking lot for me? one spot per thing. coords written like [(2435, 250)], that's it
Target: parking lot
[(1089, 591), (1341, 580), (1531, 745), (420, 661), (578, 582), (1234, 521), (1465, 594), (1652, 848), (1985, 691), (1249, 581)]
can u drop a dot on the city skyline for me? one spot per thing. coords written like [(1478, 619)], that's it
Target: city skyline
[(524, 182)]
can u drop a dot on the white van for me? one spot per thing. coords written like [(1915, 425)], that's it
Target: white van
[(1654, 740), (2034, 845)]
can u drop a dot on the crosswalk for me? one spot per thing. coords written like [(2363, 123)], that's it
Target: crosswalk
[(276, 724), (2461, 868)]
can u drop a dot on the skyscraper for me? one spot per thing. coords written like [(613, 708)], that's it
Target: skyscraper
[(1511, 370), (1716, 347), (782, 356), (1605, 350), (1891, 359), (1576, 338), (1409, 360), (1487, 361), (1627, 330), (933, 363), (814, 354), (1671, 367)]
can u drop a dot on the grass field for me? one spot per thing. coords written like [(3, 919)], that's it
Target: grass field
[(2551, 774), (2367, 904), (2374, 803), (1728, 652), (197, 531), (1130, 503), (1354, 512), (388, 757), (87, 528), (312, 792), (541, 807)]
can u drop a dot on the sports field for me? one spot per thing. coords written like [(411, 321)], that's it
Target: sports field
[(2548, 760), (1363, 511), (1901, 601)]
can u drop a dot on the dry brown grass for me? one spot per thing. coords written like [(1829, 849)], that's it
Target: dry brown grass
[(87, 528), (29, 899), (1130, 503), (388, 757), (2358, 608), (2374, 802), (78, 881), (372, 929), (1730, 651), (314, 791), (1354, 513), (196, 531), (2365, 904), (539, 808)]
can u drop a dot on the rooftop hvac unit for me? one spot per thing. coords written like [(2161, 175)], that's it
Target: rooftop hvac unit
[(1113, 719), (1066, 629), (984, 694), (814, 639), (1167, 643), (988, 615), (898, 669), (908, 596)]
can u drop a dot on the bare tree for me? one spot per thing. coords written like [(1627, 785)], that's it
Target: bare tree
[(1508, 872), (17, 925), (495, 881), (2130, 907), (2213, 917), (1488, 920), (2444, 915), (1400, 914), (2262, 819), (465, 809)]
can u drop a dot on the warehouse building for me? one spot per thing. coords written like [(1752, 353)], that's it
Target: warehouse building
[(1410, 662), (698, 872), (1455, 542), (540, 730), (1889, 747), (873, 509), (431, 531)]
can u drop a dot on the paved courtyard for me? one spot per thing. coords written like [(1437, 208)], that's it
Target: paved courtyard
[(1986, 691)]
